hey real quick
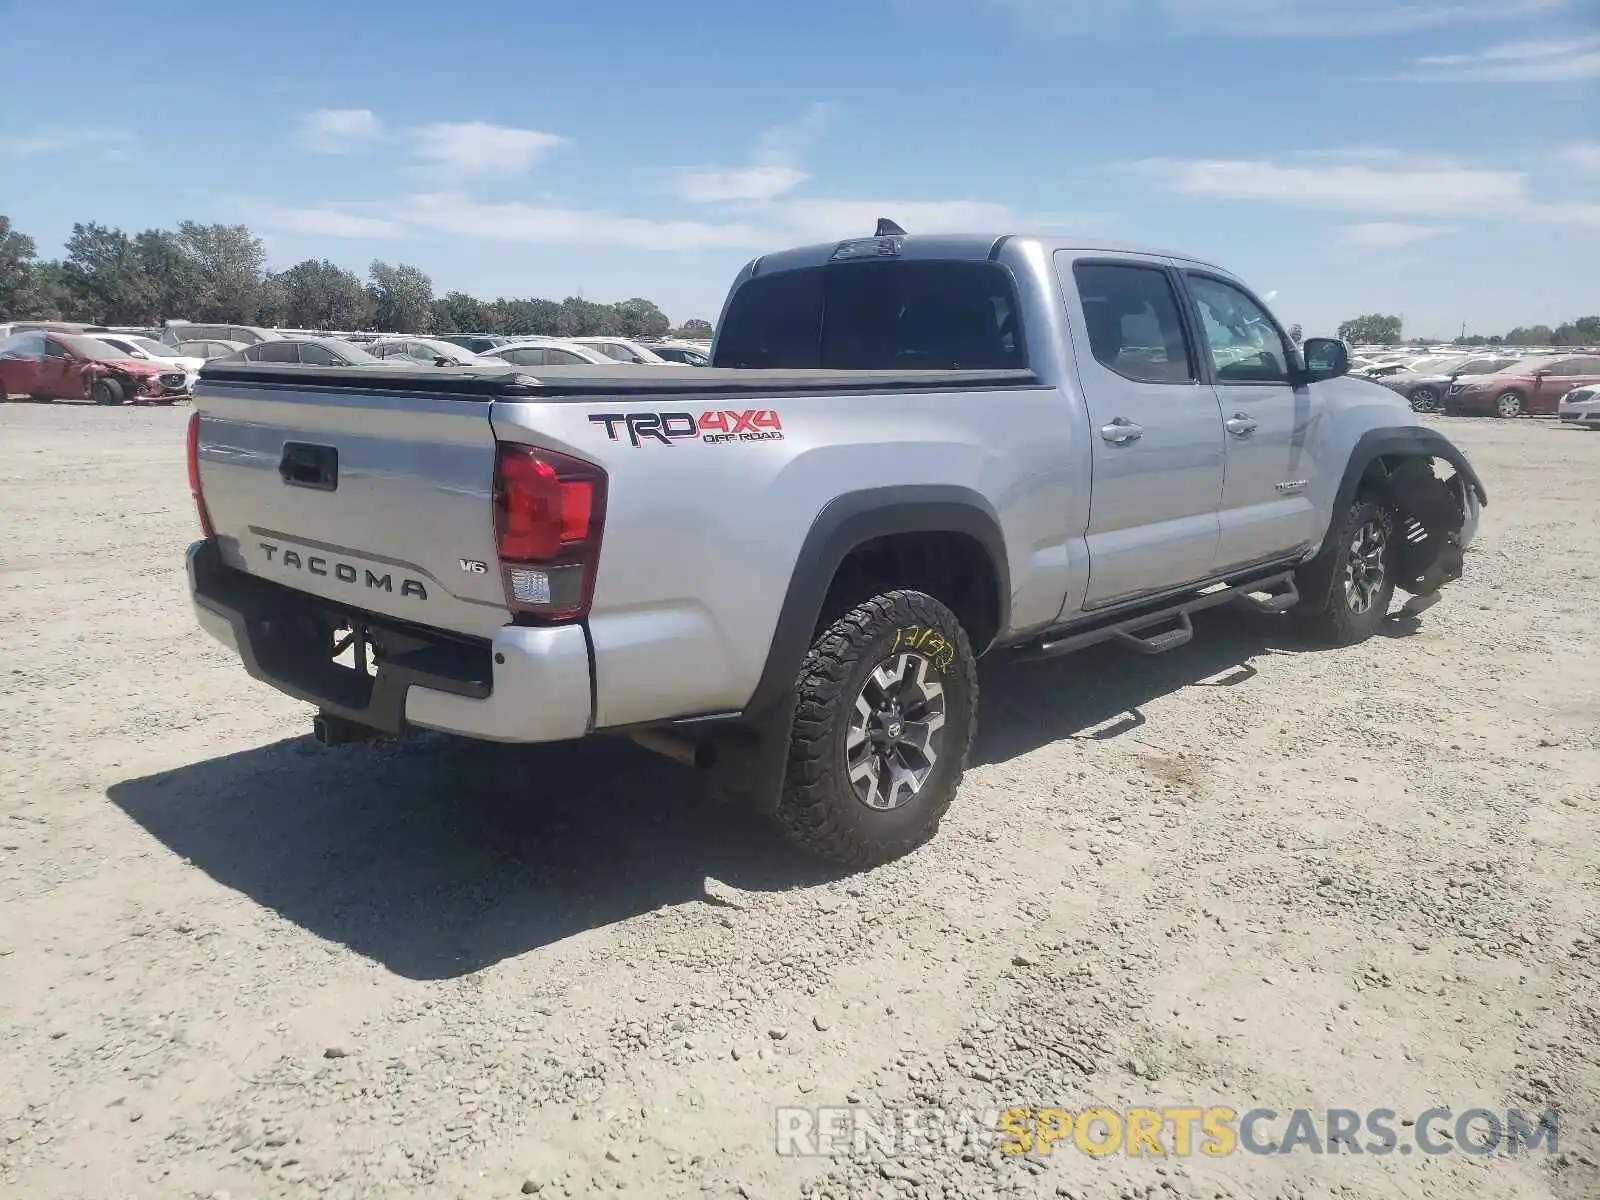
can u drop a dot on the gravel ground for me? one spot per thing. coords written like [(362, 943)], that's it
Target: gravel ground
[(1245, 873)]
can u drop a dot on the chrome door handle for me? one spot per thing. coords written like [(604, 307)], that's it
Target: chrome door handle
[(1121, 431), (1240, 425)]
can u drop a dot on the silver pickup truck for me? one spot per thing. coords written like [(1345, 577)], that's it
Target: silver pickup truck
[(909, 451)]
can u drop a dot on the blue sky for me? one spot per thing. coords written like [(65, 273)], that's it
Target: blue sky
[(1438, 158)]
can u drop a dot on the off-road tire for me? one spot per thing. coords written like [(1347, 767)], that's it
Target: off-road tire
[(1325, 612), (106, 392), (818, 809), (1511, 400)]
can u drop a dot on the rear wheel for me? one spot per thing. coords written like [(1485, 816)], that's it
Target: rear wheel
[(885, 713), (1350, 601), (1424, 399), (106, 391), (1508, 404)]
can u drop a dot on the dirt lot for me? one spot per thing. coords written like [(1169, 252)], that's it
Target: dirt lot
[(1246, 873)]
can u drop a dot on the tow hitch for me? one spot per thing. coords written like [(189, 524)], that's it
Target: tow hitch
[(332, 730)]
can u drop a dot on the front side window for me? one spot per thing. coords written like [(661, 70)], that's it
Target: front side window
[(54, 349), (317, 356), (1134, 325), (277, 352), (1244, 343)]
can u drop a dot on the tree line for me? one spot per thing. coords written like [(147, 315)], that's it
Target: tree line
[(1379, 329), (219, 273)]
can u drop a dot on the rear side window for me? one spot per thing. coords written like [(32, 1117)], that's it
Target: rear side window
[(1134, 327), (876, 316)]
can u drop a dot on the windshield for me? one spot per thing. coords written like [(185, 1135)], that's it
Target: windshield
[(348, 351), (88, 347)]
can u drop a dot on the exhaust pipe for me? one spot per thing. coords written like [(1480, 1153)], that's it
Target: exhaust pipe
[(331, 730), (680, 749)]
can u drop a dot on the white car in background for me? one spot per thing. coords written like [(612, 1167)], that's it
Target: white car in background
[(149, 350), (428, 351), (549, 352), (625, 350), (1581, 407)]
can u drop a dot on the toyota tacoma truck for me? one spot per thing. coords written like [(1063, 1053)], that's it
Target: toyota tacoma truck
[(909, 451)]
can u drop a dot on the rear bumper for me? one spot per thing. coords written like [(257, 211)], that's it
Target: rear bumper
[(523, 685)]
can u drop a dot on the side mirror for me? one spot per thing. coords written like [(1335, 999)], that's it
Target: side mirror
[(1326, 358)]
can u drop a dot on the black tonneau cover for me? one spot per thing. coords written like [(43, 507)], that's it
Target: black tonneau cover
[(624, 380)]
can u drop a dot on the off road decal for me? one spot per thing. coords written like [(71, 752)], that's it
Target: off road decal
[(716, 426), (929, 643)]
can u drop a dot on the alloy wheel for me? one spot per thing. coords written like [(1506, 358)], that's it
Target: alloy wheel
[(1509, 405), (1365, 567), (896, 732)]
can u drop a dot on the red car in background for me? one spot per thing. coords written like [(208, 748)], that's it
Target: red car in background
[(1533, 386), (71, 366)]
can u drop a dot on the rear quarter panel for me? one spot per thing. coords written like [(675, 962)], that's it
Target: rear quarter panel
[(702, 538)]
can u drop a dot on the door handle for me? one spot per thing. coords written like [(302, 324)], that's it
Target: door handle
[(1240, 425), (1120, 431)]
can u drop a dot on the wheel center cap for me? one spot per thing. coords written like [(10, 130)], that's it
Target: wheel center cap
[(893, 727)]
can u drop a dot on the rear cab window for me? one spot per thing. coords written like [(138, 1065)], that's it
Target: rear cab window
[(902, 315)]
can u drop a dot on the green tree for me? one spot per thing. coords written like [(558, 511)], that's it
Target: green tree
[(171, 277), (1530, 335), (696, 329), (585, 318), (402, 297), (457, 312), (639, 318), (17, 270), (1374, 329), (105, 276), (321, 295), (229, 262)]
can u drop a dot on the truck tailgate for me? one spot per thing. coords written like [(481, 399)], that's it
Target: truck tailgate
[(372, 499)]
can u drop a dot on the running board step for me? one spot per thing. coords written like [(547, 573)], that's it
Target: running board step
[(1130, 630), (1159, 643), (1277, 602)]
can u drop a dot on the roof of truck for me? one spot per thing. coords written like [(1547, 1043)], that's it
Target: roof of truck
[(956, 245)]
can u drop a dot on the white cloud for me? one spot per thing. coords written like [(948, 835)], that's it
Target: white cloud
[(338, 130), (1438, 188), (714, 186), (1272, 18), (1585, 156), (1555, 60), (453, 213), (774, 167), (1375, 235), (478, 148), (329, 221), (112, 143), (826, 220)]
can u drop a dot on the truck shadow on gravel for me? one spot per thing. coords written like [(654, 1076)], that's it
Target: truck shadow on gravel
[(437, 857)]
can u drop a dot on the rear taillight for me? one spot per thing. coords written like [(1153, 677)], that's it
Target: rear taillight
[(549, 511), (193, 455)]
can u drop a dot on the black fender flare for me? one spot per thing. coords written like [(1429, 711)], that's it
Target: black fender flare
[(851, 520), (1398, 441)]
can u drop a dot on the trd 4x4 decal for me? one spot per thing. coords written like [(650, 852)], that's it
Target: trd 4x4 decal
[(716, 426)]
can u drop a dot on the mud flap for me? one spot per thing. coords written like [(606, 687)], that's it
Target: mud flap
[(1430, 520)]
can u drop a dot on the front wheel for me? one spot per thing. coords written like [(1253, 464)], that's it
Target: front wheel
[(106, 391), (1508, 404), (1347, 604), (1424, 399), (884, 717)]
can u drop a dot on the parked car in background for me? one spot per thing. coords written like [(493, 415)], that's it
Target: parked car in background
[(549, 352), (621, 349), (149, 350), (1581, 407), (208, 349), (315, 352), (431, 352), (74, 366), (1425, 381), (688, 355), (1532, 386), (478, 343), (176, 332)]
